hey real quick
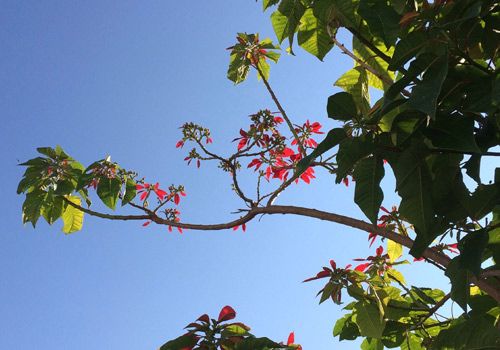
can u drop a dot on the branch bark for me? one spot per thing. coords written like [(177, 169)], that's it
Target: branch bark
[(429, 253)]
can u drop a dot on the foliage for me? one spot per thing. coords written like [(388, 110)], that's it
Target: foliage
[(437, 67)]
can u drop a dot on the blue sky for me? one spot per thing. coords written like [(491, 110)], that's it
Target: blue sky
[(119, 78)]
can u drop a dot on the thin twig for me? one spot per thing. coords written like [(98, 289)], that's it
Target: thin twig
[(281, 109)]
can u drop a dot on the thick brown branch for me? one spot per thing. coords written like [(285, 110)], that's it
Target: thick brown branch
[(429, 253)]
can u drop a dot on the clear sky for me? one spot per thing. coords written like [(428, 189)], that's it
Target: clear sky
[(119, 78)]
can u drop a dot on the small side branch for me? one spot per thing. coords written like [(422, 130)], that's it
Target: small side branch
[(282, 110)]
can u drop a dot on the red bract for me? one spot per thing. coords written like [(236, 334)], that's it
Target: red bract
[(143, 190), (179, 144), (243, 139), (159, 192), (307, 175), (257, 163), (291, 338), (227, 313), (278, 120), (362, 267), (346, 181), (204, 318), (146, 223)]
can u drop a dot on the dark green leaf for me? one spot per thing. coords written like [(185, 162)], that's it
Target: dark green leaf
[(108, 190), (415, 188), (372, 344), (370, 322), (382, 19), (453, 132), (459, 283), (32, 206), (130, 191), (182, 342), (351, 150), (332, 139), (407, 48), (341, 106), (368, 195), (425, 94), (471, 250), (52, 208), (252, 343)]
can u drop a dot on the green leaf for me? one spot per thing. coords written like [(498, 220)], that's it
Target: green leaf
[(412, 342), (313, 36), (471, 248), (382, 19), (346, 329), (368, 195), (355, 82), (341, 11), (286, 19), (453, 132), (252, 343), (370, 322), (372, 344), (339, 325), (108, 190), (32, 206), (472, 167), (375, 62), (414, 185), (234, 330), (238, 70), (482, 201), (327, 291), (341, 106), (332, 139), (475, 332), (268, 3), (52, 208), (130, 191), (182, 342), (351, 150), (424, 96), (459, 283), (72, 217), (407, 48)]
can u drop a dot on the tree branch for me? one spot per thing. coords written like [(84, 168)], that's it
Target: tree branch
[(281, 109), (429, 253)]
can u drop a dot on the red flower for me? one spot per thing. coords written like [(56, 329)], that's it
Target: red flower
[(291, 339), (179, 144), (209, 140), (278, 120), (146, 223)]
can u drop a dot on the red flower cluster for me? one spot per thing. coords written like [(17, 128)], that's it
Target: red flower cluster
[(145, 189), (378, 262)]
